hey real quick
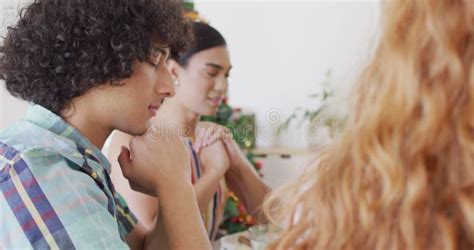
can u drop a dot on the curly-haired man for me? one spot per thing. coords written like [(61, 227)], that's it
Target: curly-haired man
[(89, 67)]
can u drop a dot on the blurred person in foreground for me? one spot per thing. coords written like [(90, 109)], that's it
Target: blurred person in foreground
[(401, 175)]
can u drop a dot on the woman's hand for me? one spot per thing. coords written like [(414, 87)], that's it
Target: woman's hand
[(208, 133), (210, 147), (241, 177), (215, 163), (214, 158)]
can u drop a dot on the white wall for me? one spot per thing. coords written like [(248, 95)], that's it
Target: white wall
[(281, 50), (1, 106), (11, 109)]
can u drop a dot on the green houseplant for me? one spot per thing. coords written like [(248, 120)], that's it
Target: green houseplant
[(320, 116)]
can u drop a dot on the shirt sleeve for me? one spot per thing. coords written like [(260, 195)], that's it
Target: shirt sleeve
[(54, 206), (127, 220)]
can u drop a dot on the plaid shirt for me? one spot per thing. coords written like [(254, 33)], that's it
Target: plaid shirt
[(56, 190)]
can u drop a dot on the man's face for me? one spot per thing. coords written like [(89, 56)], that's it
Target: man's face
[(133, 104)]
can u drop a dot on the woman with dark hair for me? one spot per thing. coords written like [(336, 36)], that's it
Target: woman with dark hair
[(200, 77), (88, 68)]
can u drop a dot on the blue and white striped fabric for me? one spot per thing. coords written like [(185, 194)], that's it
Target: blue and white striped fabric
[(55, 189)]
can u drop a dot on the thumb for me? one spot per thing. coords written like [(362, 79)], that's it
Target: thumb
[(124, 161)]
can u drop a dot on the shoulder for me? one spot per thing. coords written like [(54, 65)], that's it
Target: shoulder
[(43, 189), (28, 139)]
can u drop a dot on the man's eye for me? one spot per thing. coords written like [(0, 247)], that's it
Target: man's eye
[(158, 55), (156, 59)]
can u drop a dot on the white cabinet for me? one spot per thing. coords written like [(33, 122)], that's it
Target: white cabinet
[(283, 165)]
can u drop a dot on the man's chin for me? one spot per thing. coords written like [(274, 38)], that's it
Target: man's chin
[(137, 131)]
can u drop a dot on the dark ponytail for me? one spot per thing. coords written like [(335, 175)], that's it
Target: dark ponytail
[(205, 37)]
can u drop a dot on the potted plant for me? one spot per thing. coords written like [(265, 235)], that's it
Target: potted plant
[(323, 118)]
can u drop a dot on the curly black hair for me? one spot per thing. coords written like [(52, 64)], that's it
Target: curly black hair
[(59, 49)]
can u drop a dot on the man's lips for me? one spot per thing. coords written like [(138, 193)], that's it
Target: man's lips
[(153, 109)]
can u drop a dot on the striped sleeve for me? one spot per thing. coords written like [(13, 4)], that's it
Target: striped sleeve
[(127, 220), (54, 206)]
